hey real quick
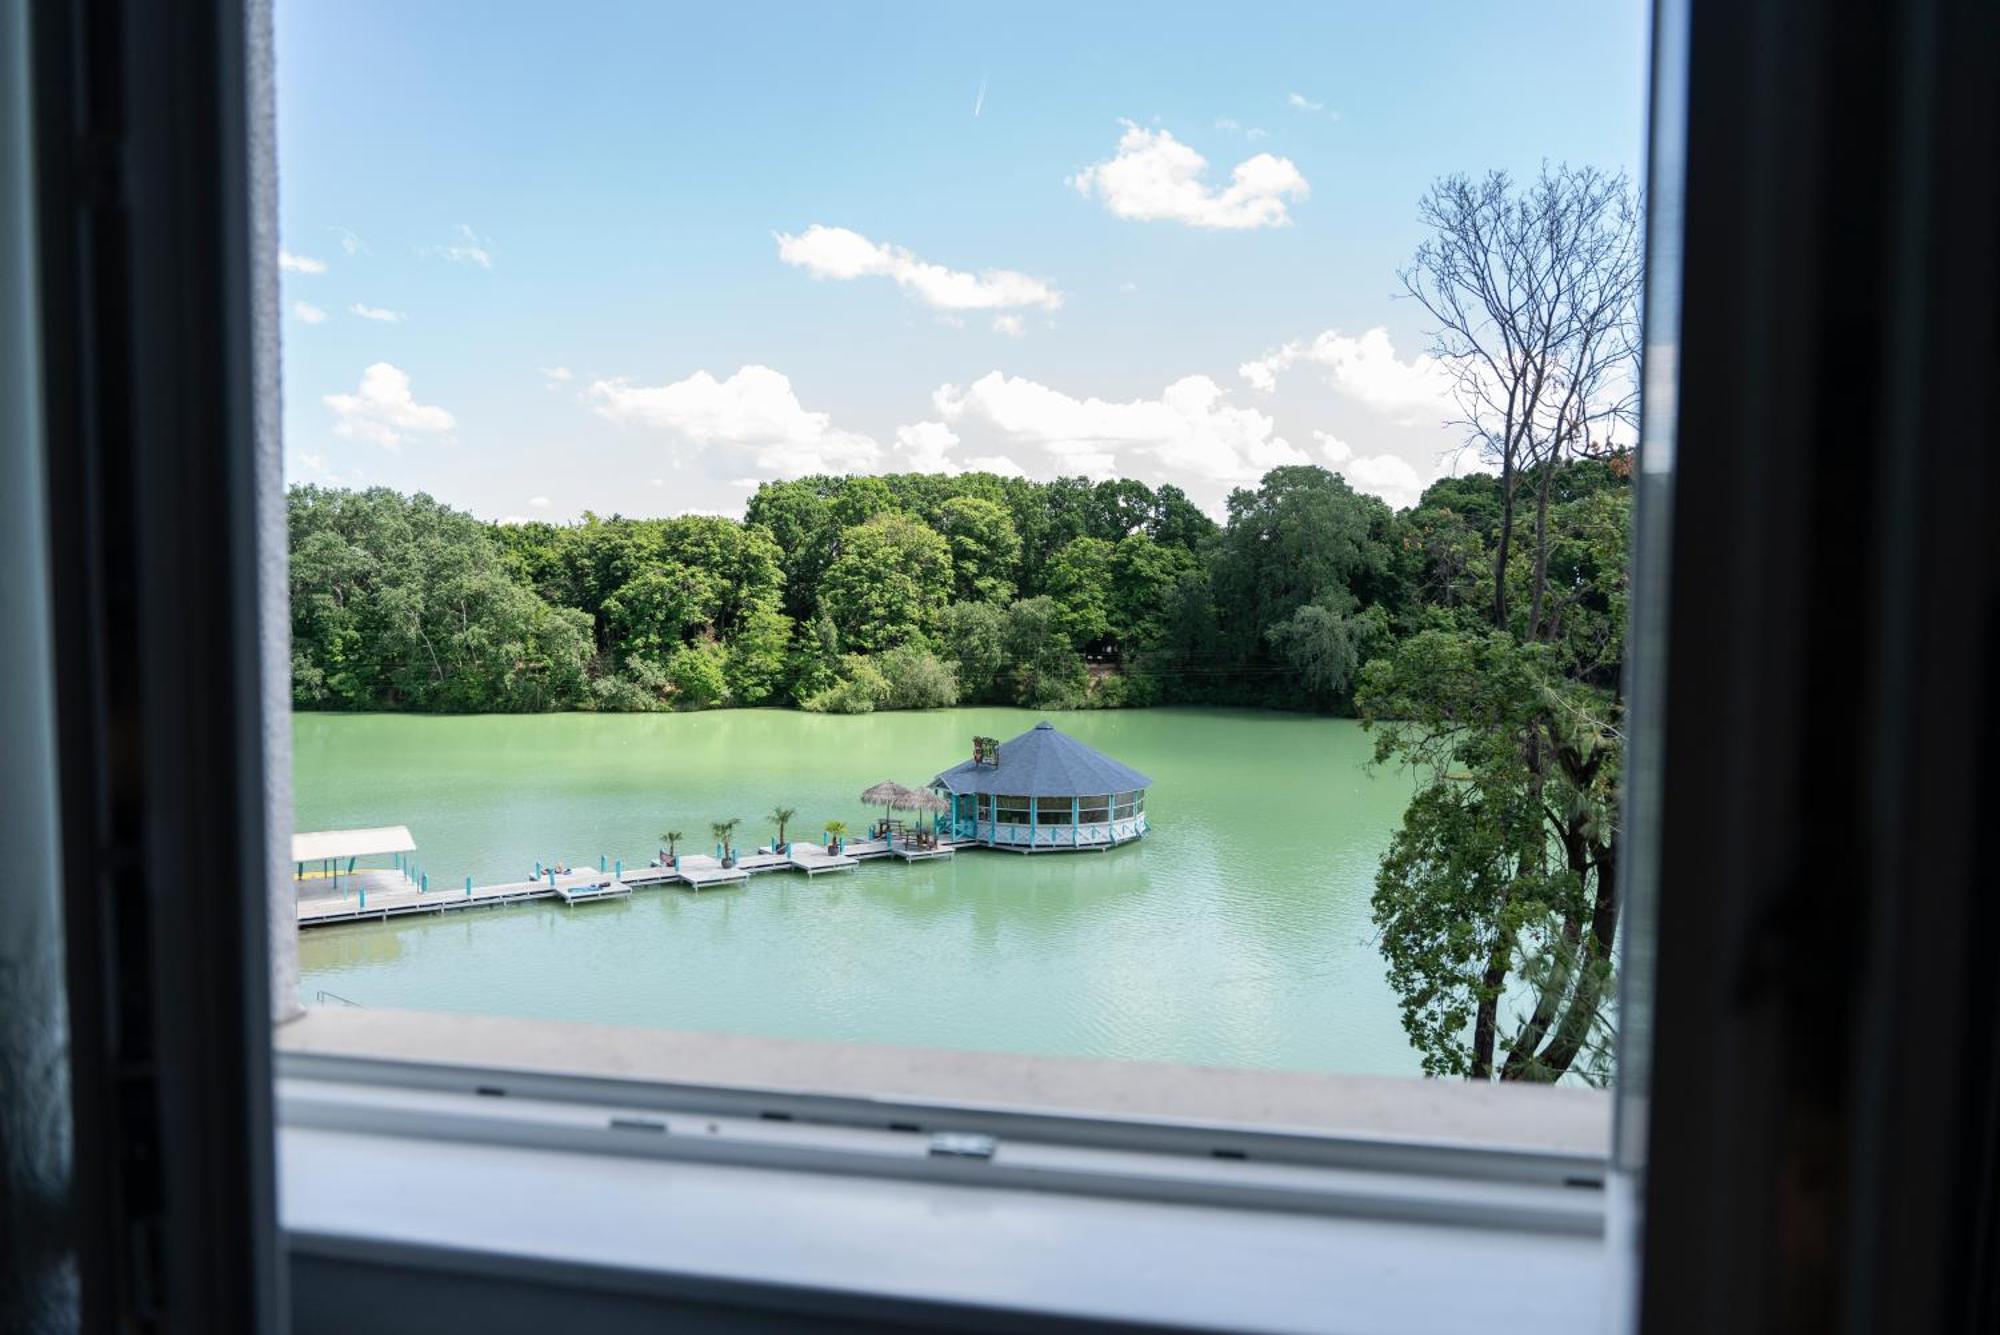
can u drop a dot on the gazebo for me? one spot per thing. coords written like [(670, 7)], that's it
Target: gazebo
[(1043, 792)]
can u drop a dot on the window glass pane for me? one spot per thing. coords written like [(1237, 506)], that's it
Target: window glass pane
[(1036, 441)]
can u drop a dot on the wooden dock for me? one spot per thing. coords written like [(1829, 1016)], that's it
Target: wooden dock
[(368, 895)]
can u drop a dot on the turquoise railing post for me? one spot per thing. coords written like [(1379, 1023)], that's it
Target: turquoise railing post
[(468, 887), (1075, 816), (364, 896), (538, 870), (600, 862), (552, 878), (618, 869), (426, 883)]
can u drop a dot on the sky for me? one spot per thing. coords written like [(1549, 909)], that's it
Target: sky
[(540, 260)]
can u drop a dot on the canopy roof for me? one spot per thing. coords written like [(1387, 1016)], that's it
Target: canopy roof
[(319, 844), (1042, 762)]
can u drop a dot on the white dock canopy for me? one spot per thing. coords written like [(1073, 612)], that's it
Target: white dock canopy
[(319, 845)]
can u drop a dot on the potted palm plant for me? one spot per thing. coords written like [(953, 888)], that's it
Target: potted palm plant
[(836, 830), (783, 816), (723, 829), (673, 838)]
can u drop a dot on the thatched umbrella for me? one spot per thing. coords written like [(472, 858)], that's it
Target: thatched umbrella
[(894, 795), (888, 794), (917, 799)]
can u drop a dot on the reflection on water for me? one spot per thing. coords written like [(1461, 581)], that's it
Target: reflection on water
[(1236, 933)]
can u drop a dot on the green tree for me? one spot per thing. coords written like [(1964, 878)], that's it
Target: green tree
[(1079, 580), (757, 653), (985, 548), (1047, 671), (974, 638), (1143, 575), (917, 679), (1513, 839), (889, 584), (664, 607), (814, 661), (698, 674)]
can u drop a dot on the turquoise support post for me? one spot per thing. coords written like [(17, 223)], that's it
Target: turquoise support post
[(426, 883), (618, 869), (552, 878), (468, 887), (1075, 819), (538, 870), (364, 896), (600, 862)]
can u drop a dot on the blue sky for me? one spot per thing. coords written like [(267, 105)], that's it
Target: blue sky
[(636, 258)]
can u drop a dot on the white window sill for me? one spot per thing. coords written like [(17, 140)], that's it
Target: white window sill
[(673, 1203)]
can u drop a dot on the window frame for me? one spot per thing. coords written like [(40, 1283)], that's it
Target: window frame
[(155, 228)]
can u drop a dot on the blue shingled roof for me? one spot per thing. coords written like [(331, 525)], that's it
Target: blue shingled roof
[(1042, 762)]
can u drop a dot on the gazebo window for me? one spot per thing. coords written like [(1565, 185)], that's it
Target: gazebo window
[(1053, 811), (1010, 810), (1095, 810), (985, 807), (1124, 809)]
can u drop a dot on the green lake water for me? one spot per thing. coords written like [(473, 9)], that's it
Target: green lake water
[(1235, 934)]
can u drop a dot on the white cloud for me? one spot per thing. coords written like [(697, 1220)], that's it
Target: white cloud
[(1154, 176), (1336, 450), (383, 409), (754, 409), (556, 375), (1009, 325), (1394, 479), (840, 254), (1227, 123), (1300, 102), (1387, 476), (538, 502), (1188, 431), (1410, 393), (467, 247), (308, 312), (381, 313), (928, 447), (1255, 133), (350, 240), (291, 263)]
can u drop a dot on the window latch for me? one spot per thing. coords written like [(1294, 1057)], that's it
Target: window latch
[(961, 1145)]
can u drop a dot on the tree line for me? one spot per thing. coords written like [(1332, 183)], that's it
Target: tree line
[(909, 591)]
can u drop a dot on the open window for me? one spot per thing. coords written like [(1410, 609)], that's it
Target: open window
[(1818, 417)]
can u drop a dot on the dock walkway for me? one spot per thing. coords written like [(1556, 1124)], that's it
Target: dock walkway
[(367, 895)]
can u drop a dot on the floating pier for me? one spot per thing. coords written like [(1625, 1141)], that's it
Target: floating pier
[(364, 894)]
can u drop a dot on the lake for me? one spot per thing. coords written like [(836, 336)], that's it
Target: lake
[(1235, 934)]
